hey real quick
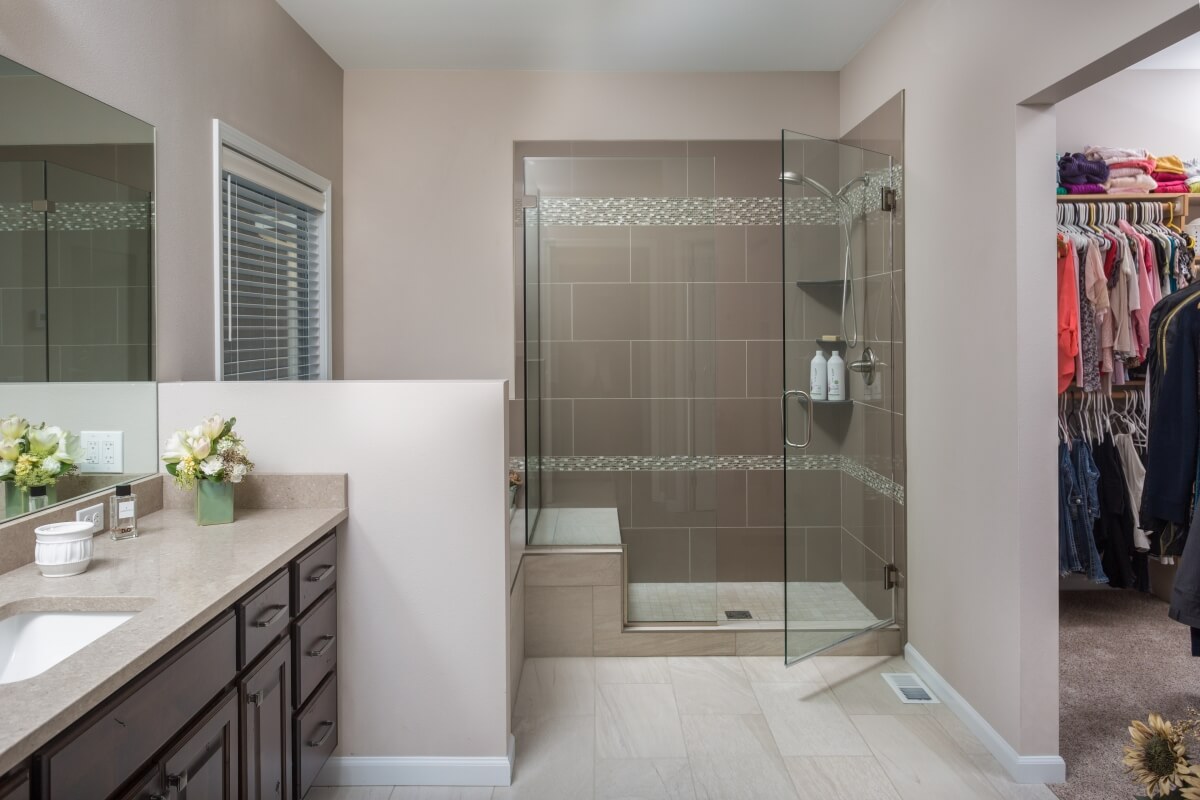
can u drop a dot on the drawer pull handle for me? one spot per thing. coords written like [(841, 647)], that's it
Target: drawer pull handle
[(326, 641), (177, 781), (255, 699), (269, 620), (328, 725), (322, 572)]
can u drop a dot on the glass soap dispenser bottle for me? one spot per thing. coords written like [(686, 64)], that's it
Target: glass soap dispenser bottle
[(122, 513)]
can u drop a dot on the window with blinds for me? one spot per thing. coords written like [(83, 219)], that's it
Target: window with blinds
[(273, 278)]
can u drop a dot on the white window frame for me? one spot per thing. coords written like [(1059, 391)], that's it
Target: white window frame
[(225, 135)]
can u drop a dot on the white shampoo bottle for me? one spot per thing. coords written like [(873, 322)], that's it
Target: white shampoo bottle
[(818, 380), (837, 378)]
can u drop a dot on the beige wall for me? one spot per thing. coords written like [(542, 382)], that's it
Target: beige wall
[(1150, 108), (429, 188), (981, 409), (177, 65), (423, 582)]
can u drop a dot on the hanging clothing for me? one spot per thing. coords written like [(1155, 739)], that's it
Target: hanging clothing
[(1125, 567), (1135, 476), (1173, 363), (1068, 313)]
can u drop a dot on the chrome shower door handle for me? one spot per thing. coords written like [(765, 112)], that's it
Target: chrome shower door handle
[(783, 416)]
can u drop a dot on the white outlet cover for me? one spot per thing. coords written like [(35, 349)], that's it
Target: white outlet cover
[(103, 451), (93, 514)]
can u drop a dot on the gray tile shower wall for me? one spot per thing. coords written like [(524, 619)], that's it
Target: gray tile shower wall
[(665, 340)]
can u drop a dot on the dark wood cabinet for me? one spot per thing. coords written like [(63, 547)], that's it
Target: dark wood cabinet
[(106, 749), (219, 717), (15, 787), (266, 726), (204, 764), (148, 787)]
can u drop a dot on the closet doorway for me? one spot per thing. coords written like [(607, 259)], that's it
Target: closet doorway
[(1126, 263)]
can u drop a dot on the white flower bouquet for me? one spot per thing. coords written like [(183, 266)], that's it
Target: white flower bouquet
[(211, 451), (36, 455)]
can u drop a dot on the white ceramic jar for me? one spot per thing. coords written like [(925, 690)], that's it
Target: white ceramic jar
[(63, 548)]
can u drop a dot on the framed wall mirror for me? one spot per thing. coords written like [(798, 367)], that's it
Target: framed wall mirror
[(76, 292)]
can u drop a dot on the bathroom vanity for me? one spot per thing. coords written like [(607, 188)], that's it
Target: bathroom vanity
[(222, 685)]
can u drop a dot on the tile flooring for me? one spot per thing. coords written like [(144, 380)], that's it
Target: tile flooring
[(701, 602), (577, 526), (728, 729)]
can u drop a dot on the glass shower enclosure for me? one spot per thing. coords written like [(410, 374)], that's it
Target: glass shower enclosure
[(75, 276), (674, 295)]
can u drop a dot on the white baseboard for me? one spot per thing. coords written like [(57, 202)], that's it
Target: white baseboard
[(1023, 769), (419, 770)]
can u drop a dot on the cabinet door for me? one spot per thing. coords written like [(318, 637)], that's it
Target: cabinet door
[(148, 787), (266, 726), (204, 765), (15, 787)]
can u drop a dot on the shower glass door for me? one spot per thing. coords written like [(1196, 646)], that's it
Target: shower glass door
[(838, 535)]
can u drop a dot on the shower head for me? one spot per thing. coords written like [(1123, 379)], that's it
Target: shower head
[(796, 179)]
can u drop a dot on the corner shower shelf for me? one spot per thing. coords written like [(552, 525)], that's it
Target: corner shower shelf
[(838, 342), (833, 402), (830, 282)]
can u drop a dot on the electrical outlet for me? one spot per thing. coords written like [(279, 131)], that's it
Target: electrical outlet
[(93, 514), (103, 451)]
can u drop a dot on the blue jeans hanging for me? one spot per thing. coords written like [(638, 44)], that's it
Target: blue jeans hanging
[(1086, 512), (1068, 501)]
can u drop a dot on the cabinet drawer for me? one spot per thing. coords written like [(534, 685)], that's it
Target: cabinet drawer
[(314, 572), (15, 787), (105, 751), (315, 646), (262, 616), (316, 734)]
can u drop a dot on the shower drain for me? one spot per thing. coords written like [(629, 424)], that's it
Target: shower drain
[(738, 615)]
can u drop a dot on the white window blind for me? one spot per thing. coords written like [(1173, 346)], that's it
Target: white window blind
[(272, 274)]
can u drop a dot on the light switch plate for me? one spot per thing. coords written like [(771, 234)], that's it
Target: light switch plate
[(93, 514), (103, 451)]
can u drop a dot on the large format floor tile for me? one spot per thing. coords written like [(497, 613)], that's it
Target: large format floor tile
[(921, 761), (727, 735), (637, 720), (807, 720), (772, 669), (841, 778), (556, 687), (856, 682), (350, 793), (644, 779), (632, 670), (744, 777), (555, 758), (441, 793), (712, 686)]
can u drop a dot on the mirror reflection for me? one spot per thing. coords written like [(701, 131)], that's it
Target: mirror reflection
[(76, 292)]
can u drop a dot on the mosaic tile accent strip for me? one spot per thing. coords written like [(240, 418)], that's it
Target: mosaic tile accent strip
[(115, 215), (609, 211), (870, 477), (860, 200)]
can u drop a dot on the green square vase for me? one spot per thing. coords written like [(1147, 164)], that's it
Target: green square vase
[(214, 503), (16, 499)]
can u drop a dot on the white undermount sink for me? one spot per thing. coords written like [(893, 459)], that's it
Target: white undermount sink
[(33, 642)]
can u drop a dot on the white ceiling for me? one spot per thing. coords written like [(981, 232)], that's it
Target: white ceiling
[(605, 35), (1183, 55)]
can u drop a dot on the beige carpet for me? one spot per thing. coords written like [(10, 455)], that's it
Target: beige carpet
[(1120, 658)]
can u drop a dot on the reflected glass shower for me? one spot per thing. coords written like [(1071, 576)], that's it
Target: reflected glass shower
[(75, 282), (672, 292)]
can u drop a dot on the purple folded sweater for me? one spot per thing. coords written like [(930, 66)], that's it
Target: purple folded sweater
[(1085, 188), (1075, 168)]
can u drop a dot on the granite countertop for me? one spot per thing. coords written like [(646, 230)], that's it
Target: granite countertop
[(177, 576)]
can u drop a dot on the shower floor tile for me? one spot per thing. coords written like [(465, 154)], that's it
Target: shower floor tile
[(807, 602), (577, 526)]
